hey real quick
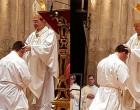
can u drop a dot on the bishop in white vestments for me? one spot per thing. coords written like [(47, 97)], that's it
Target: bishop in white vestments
[(133, 63), (42, 60)]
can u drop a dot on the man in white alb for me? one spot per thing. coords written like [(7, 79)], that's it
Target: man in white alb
[(14, 78), (112, 75)]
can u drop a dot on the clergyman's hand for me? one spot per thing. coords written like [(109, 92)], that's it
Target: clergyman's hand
[(27, 48), (127, 48), (90, 96)]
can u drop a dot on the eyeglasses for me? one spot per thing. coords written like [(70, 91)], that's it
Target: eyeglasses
[(35, 21)]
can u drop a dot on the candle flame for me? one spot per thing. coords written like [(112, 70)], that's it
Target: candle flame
[(42, 5), (138, 8)]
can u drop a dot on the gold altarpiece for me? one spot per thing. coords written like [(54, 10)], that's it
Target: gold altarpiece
[(59, 20)]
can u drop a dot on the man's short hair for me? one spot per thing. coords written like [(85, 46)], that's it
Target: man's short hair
[(91, 76), (121, 48), (18, 45)]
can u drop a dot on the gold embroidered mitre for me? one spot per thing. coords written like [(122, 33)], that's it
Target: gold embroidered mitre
[(136, 14), (38, 6)]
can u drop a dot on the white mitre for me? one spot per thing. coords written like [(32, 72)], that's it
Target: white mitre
[(136, 14), (37, 7)]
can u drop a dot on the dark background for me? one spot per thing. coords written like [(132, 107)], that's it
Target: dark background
[(78, 38)]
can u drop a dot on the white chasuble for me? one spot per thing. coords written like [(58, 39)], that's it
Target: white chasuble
[(43, 65), (133, 63)]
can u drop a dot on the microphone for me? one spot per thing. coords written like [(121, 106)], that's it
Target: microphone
[(51, 9)]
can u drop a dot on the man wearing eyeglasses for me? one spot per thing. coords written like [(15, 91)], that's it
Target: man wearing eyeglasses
[(42, 60)]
